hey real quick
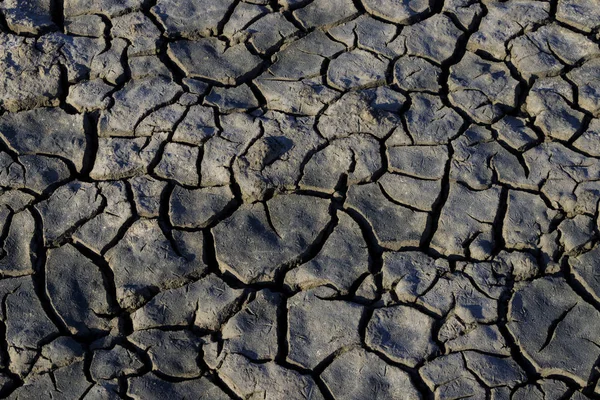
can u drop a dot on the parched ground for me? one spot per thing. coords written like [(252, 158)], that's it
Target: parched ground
[(299, 199)]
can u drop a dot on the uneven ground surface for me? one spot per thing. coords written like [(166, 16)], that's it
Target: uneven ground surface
[(296, 199)]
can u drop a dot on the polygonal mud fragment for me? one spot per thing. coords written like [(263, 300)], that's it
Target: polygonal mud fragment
[(172, 353), (580, 14), (17, 253), (33, 17), (197, 126), (478, 160), (466, 12), (76, 290), (430, 122), (458, 335), (141, 67), (370, 34), (555, 328), (456, 292), (29, 78), (27, 325), (239, 98), (191, 18), (147, 192), (114, 363), (469, 374), (273, 162), (69, 207), (108, 66), (559, 172), (356, 69), (167, 118), (416, 74), (523, 265), (484, 90), (179, 163), (149, 386), (397, 12), (252, 332), (198, 208), (139, 31), (133, 103), (367, 291), (89, 95), (416, 193), (491, 278), (318, 328), (423, 162), (576, 233), (144, 261), (84, 25), (101, 230), (449, 378), (243, 15), (584, 269), (254, 249), (549, 102), (305, 97), (341, 262), (75, 53), (267, 380), (503, 21), (12, 173), (105, 390), (527, 219), (211, 59), (105, 7), (327, 153), (239, 131), (465, 224), (68, 382), (435, 38), (494, 371), (323, 13), (514, 132), (587, 80), (394, 225), (266, 33), (543, 389), (358, 374), (304, 57), (59, 353), (410, 274), (49, 131), (367, 111), (205, 304), (356, 158), (546, 51), (13, 202), (119, 158), (473, 160), (401, 333)]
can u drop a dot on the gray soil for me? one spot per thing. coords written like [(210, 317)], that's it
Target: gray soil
[(299, 199)]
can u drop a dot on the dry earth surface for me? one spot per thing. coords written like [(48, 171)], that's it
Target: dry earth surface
[(299, 199)]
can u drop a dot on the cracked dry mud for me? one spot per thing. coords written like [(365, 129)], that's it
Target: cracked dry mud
[(300, 199)]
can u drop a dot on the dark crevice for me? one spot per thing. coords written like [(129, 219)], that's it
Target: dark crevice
[(554, 325), (337, 199), (498, 224), (57, 13), (433, 218), (39, 275), (90, 123)]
